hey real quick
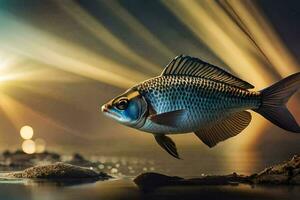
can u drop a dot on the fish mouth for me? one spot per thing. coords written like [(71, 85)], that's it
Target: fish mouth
[(104, 109), (107, 112)]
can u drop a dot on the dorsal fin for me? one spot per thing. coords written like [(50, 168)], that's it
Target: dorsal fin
[(189, 66)]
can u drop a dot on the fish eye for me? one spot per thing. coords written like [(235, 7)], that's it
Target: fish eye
[(122, 104)]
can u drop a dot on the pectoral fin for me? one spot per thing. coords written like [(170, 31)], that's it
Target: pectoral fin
[(167, 144), (172, 118), (225, 129)]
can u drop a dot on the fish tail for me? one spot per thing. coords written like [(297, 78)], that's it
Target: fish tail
[(274, 99)]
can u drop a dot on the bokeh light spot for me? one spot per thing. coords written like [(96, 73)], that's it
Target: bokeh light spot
[(114, 170), (28, 146), (26, 132), (40, 145), (101, 166)]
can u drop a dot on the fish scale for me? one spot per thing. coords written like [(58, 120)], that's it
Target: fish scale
[(206, 100)]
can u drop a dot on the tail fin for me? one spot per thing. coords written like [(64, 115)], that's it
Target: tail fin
[(274, 99)]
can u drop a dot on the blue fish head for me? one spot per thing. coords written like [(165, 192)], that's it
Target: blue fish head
[(129, 108)]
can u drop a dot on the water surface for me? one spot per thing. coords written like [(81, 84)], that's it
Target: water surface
[(125, 189)]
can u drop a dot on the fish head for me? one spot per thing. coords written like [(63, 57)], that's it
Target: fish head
[(128, 108)]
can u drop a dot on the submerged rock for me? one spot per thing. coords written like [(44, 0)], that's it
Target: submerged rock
[(151, 181), (58, 171), (286, 173)]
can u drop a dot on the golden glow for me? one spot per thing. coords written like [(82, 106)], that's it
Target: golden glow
[(103, 34), (28, 146), (6, 60), (265, 36), (3, 64), (35, 75), (68, 57), (26, 132), (40, 145), (259, 56), (14, 111), (214, 27), (230, 48)]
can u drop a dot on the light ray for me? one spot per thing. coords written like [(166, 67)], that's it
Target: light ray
[(208, 29), (265, 36), (209, 22), (138, 27), (212, 25), (104, 35), (7, 61), (63, 55), (35, 75)]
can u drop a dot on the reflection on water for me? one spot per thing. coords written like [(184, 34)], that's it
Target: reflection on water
[(125, 168), (193, 164), (125, 189), (47, 183)]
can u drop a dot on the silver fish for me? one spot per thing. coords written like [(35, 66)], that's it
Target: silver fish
[(194, 96)]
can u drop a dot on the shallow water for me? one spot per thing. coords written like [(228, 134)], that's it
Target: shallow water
[(193, 163), (127, 167), (125, 189)]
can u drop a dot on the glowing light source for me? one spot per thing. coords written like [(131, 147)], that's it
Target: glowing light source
[(40, 145), (114, 170), (70, 57), (51, 54), (28, 146), (26, 132), (12, 108), (3, 64)]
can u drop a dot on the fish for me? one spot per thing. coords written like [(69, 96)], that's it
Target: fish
[(192, 95)]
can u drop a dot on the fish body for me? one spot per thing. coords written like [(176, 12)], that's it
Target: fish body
[(205, 100), (194, 96)]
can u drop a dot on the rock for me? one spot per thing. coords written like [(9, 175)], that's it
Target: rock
[(58, 171), (151, 181), (295, 180), (287, 173), (277, 179), (284, 173), (78, 159), (19, 160), (6, 153)]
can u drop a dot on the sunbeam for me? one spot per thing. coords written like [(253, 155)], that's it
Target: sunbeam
[(103, 34), (65, 56), (265, 36), (61, 61), (138, 28), (212, 25)]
